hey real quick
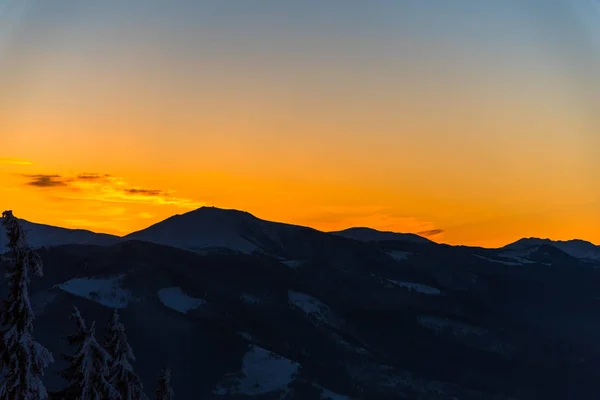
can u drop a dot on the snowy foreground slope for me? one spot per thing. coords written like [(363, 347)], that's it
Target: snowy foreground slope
[(311, 316)]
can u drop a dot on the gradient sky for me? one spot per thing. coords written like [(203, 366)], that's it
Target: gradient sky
[(476, 122)]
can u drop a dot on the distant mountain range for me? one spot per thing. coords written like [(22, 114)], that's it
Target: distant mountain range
[(243, 308), (576, 248), (211, 227)]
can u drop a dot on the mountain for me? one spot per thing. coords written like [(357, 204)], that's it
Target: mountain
[(206, 227), (39, 235), (372, 235), (575, 248), (216, 228)]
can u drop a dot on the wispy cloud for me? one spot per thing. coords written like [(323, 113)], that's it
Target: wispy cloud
[(92, 177), (106, 188), (14, 161), (144, 192), (431, 232), (45, 181)]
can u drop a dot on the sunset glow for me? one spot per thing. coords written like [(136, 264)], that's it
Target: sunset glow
[(478, 128)]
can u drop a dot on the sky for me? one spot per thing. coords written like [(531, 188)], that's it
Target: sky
[(469, 122)]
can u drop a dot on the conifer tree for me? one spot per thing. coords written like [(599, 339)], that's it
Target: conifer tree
[(164, 390), (121, 374), (88, 371), (22, 360)]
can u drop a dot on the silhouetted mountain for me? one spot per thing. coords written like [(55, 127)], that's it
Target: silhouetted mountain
[(373, 235), (211, 228), (39, 235), (575, 248), (206, 227)]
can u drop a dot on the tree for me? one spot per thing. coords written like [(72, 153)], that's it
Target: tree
[(22, 360), (164, 390), (121, 374), (88, 370)]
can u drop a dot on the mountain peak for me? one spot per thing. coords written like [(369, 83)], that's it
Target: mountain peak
[(200, 228), (212, 210)]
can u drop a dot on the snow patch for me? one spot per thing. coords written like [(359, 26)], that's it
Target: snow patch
[(105, 291), (418, 287), (455, 328), (399, 255), (176, 299), (310, 305), (520, 255), (262, 372), (329, 395), (511, 263)]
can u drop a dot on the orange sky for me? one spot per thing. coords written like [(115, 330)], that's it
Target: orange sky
[(112, 124)]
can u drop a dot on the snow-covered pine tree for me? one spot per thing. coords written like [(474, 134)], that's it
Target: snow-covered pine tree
[(164, 390), (22, 360), (88, 371), (121, 374)]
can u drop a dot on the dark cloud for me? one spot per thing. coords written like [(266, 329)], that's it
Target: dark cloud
[(94, 180), (46, 181), (144, 192), (431, 232)]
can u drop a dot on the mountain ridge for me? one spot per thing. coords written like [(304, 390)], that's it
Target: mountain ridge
[(370, 234), (40, 235), (576, 247), (60, 235)]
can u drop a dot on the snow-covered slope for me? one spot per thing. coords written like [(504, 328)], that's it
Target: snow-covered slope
[(373, 235), (262, 372), (39, 235), (575, 248), (175, 299), (105, 291)]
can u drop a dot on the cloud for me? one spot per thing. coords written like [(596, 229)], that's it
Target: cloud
[(45, 181), (14, 161), (144, 192), (92, 177), (107, 189), (431, 232)]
